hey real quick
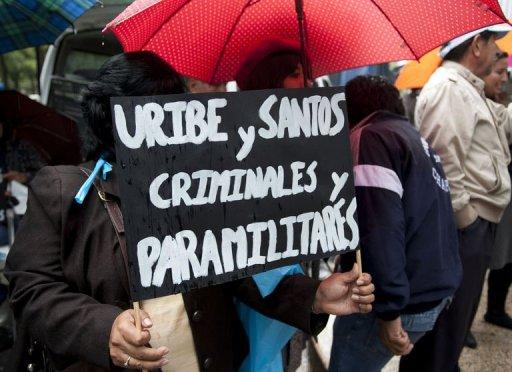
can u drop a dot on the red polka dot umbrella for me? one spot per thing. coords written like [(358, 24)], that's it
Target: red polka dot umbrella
[(210, 39)]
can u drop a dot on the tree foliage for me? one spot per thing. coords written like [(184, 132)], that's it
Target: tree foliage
[(18, 70)]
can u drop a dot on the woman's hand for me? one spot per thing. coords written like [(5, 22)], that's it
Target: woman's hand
[(128, 345), (345, 294)]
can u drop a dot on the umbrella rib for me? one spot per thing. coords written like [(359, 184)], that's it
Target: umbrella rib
[(228, 39), (396, 29), (497, 15)]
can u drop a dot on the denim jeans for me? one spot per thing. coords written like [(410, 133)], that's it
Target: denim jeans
[(357, 345)]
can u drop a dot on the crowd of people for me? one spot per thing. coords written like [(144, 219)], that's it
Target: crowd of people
[(433, 193)]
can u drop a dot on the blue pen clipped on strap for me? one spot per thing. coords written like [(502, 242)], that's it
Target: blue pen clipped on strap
[(101, 166)]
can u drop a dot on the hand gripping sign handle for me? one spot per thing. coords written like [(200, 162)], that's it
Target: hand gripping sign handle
[(138, 324)]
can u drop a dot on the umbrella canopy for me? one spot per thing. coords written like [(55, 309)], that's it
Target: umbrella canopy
[(208, 40), (53, 135), (29, 23), (415, 74)]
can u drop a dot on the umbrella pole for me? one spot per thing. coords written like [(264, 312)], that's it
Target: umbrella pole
[(299, 8)]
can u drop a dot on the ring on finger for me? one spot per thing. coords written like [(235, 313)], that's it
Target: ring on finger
[(127, 363)]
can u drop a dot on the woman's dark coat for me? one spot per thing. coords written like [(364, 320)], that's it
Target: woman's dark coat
[(68, 283)]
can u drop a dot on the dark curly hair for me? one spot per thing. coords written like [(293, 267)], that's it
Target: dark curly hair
[(367, 94), (127, 74)]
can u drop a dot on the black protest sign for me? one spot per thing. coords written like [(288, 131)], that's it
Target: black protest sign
[(216, 187)]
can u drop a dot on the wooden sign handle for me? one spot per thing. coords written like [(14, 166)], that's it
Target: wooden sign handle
[(138, 323), (359, 261)]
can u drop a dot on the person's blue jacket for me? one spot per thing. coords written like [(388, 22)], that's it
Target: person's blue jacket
[(408, 233)]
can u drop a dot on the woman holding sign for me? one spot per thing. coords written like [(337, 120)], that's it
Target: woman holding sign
[(69, 286)]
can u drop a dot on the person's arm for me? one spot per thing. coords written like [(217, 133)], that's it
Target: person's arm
[(379, 172), (291, 302), (378, 180), (447, 121), (69, 323), (304, 302)]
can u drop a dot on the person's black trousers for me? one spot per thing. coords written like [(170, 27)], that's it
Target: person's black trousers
[(498, 285), (439, 349)]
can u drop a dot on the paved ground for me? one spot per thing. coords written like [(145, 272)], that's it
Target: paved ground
[(494, 352)]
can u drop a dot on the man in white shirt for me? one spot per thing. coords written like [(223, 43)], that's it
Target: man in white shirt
[(454, 117)]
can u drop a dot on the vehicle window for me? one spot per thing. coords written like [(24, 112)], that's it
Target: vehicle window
[(79, 57), (65, 97), (81, 54), (82, 65)]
